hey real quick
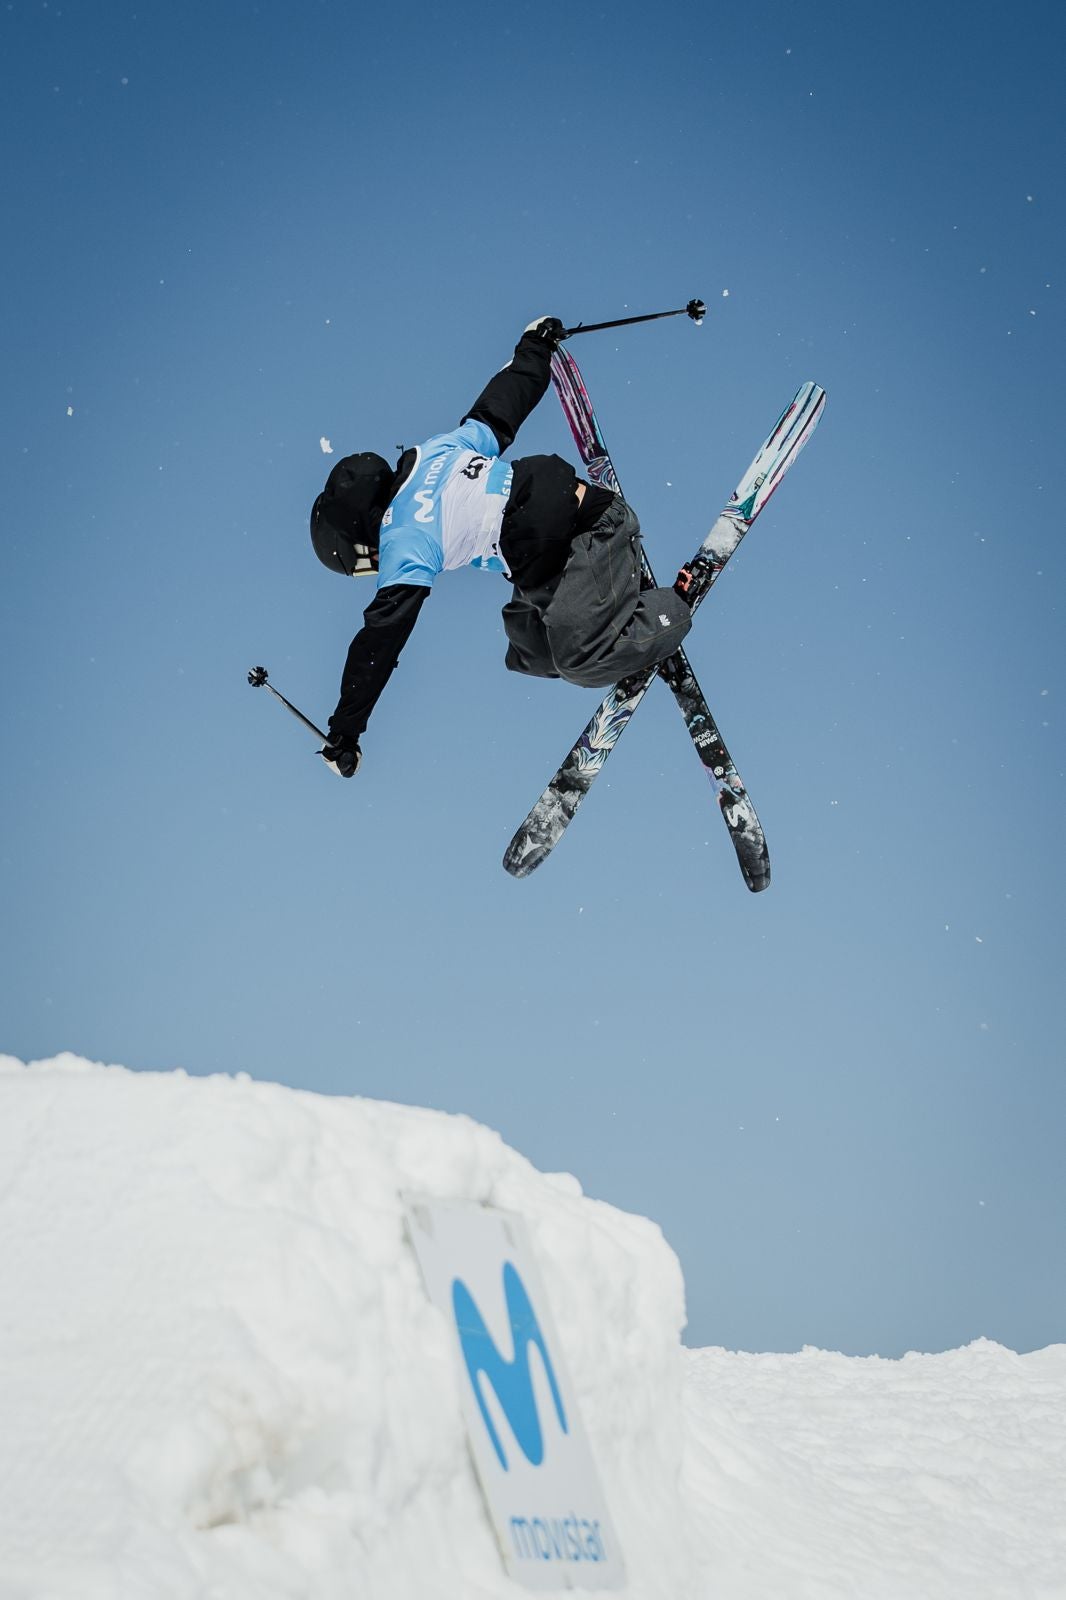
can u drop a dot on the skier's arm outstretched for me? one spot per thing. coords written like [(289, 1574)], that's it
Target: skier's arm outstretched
[(502, 406), (512, 393), (372, 656)]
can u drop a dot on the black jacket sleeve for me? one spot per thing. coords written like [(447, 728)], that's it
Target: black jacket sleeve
[(372, 655), (509, 397)]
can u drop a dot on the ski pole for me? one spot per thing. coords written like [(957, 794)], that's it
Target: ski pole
[(258, 680), (695, 309)]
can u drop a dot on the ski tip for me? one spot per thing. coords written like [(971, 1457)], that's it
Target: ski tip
[(816, 396), (520, 859)]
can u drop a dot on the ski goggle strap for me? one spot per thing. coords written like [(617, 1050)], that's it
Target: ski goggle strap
[(336, 549), (364, 561)]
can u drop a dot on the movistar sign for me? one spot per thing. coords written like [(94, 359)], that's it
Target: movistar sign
[(533, 1460), (511, 1380)]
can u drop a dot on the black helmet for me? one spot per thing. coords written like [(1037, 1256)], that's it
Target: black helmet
[(346, 517)]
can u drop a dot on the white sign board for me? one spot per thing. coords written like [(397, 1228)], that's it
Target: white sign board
[(532, 1457)]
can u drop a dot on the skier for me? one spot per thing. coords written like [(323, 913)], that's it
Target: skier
[(570, 549)]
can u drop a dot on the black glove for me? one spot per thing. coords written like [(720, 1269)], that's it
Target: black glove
[(342, 758), (550, 329)]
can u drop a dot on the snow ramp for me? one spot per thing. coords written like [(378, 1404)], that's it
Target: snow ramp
[(222, 1378), (220, 1373)]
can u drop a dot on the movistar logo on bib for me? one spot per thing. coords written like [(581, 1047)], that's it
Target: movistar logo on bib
[(449, 511)]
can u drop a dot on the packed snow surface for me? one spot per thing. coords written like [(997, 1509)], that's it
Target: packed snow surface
[(220, 1376)]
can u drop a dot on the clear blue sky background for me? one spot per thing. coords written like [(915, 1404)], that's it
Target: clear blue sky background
[(231, 230)]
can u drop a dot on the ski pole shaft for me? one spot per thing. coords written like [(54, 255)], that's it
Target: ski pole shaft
[(695, 309), (258, 680)]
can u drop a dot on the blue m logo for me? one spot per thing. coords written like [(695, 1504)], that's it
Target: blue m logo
[(510, 1380)]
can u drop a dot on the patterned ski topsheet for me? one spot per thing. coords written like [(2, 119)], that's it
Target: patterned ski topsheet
[(547, 821), (794, 427), (556, 807), (786, 439)]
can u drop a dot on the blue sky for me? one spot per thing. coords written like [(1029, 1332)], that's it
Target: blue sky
[(235, 230)]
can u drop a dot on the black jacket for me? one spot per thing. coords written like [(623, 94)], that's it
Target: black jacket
[(539, 499)]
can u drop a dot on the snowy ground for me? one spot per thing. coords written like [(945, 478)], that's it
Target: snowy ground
[(220, 1376)]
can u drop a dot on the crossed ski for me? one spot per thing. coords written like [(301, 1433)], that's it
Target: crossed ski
[(548, 819)]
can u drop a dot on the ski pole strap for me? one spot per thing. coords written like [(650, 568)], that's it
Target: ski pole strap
[(695, 309)]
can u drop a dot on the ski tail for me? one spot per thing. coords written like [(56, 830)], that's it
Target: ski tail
[(545, 824)]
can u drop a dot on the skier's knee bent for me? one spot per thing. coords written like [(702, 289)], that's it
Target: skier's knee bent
[(592, 623), (601, 625), (655, 629)]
